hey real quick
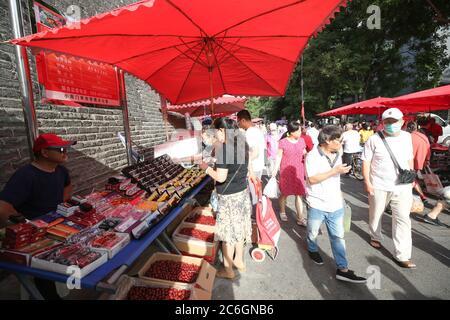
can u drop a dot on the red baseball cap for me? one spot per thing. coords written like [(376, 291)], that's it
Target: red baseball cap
[(47, 140)]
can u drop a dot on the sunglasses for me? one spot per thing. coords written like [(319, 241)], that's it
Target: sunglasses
[(58, 149)]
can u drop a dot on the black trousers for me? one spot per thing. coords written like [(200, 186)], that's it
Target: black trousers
[(347, 158)]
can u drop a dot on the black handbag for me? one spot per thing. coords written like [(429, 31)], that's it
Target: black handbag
[(404, 176)]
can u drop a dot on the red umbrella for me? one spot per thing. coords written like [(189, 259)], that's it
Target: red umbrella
[(225, 105), (423, 101), (371, 106), (196, 49)]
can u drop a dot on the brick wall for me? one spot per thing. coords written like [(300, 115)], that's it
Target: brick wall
[(98, 152)]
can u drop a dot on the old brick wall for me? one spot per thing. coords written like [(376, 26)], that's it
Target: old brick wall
[(98, 152)]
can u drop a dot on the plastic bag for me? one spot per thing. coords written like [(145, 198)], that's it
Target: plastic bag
[(272, 190), (432, 181), (347, 217), (214, 201), (417, 205)]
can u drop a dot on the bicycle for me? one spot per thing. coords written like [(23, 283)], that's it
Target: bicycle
[(357, 166)]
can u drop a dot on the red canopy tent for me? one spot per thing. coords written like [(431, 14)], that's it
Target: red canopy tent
[(225, 105), (423, 101), (371, 106), (197, 49)]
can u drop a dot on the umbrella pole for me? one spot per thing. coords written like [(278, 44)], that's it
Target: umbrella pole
[(211, 92)]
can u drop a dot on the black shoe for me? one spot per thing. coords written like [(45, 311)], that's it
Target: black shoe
[(432, 221), (315, 256), (349, 276)]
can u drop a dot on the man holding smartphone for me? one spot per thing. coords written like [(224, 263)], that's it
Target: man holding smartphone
[(37, 188), (325, 201)]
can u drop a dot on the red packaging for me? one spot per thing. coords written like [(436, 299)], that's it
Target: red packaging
[(20, 228)]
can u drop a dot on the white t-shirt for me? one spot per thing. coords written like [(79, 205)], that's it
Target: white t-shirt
[(314, 134), (255, 140), (326, 195), (383, 173), (350, 141)]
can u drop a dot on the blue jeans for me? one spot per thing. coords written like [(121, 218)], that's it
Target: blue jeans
[(335, 226)]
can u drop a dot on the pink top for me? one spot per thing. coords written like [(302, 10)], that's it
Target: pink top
[(292, 170)]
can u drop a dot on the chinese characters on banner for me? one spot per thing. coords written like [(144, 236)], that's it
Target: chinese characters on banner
[(69, 78)]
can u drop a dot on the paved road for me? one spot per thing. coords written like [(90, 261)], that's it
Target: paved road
[(294, 276)]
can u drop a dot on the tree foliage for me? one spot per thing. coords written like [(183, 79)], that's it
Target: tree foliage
[(347, 62)]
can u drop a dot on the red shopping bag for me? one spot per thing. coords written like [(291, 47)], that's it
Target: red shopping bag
[(268, 226)]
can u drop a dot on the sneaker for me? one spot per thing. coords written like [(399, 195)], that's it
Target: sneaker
[(349, 276), (315, 256), (432, 221)]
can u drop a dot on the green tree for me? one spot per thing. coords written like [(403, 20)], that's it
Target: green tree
[(349, 61)]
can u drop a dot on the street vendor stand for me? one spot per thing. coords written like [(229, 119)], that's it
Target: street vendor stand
[(115, 266), (192, 50)]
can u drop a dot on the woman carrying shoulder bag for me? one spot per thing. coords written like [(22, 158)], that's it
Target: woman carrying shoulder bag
[(233, 222)]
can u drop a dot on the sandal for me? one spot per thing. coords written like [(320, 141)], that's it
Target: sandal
[(283, 216), (302, 222), (376, 244), (407, 264)]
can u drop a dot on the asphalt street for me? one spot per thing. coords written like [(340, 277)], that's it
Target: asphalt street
[(294, 276)]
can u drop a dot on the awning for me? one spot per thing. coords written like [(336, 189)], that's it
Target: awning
[(371, 106), (423, 101), (223, 106)]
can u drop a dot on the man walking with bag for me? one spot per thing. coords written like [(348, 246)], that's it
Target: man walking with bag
[(387, 163), (325, 201)]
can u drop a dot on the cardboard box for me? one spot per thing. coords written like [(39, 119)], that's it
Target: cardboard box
[(192, 245), (63, 269), (125, 283), (202, 211), (205, 277), (114, 250)]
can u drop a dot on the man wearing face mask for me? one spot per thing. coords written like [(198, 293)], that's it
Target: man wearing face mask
[(381, 178)]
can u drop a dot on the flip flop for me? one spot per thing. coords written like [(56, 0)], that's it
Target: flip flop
[(283, 216), (406, 264)]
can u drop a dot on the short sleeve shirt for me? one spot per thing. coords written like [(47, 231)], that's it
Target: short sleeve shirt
[(33, 192)]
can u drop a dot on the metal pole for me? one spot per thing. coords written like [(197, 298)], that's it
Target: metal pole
[(23, 71), (126, 120), (164, 114)]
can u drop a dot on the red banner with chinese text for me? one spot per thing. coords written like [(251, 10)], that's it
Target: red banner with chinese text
[(69, 78)]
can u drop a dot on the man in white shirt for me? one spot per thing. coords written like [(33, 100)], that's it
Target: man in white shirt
[(313, 133), (255, 140), (325, 202), (350, 143), (381, 183)]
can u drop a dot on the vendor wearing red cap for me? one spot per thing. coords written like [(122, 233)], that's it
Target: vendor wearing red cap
[(38, 188)]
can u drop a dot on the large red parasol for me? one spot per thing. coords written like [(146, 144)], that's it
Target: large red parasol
[(197, 49)]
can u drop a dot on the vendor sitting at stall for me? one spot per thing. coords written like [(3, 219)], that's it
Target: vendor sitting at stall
[(37, 188)]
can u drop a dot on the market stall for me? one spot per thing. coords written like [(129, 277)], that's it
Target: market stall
[(239, 48), (136, 220)]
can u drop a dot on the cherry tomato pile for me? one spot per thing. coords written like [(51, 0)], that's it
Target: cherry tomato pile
[(200, 219), (173, 271), (198, 234), (145, 293)]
